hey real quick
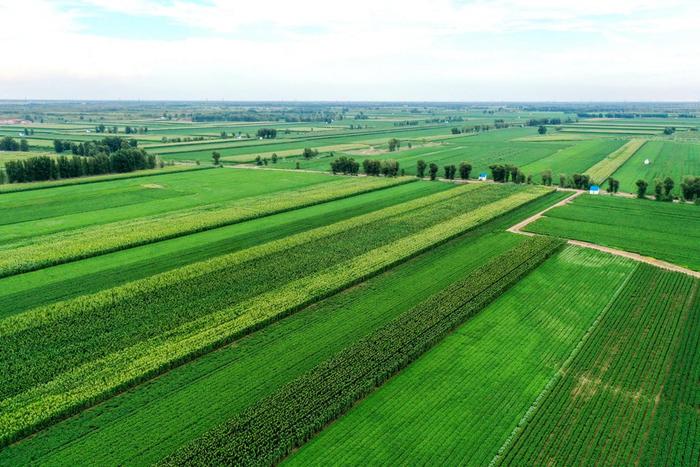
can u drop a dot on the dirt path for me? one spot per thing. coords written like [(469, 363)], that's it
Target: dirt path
[(517, 228), (636, 257)]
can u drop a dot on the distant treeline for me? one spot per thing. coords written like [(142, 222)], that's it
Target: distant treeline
[(10, 144), (253, 115), (627, 115), (111, 155)]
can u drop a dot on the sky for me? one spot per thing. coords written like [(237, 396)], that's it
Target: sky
[(387, 50)]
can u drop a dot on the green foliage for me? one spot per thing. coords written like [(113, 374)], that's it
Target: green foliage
[(650, 229), (91, 241), (269, 430), (637, 364)]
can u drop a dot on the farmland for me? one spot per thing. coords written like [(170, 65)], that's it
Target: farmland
[(239, 303), (666, 159), (515, 345), (632, 382), (666, 231)]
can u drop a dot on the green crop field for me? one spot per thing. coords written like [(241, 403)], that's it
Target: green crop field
[(481, 379), (666, 159), (186, 285), (629, 396), (667, 231)]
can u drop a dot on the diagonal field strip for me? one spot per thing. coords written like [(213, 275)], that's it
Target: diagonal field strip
[(605, 168), (517, 228)]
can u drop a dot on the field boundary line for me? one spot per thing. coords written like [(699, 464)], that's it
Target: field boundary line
[(517, 228), (560, 373), (636, 257)]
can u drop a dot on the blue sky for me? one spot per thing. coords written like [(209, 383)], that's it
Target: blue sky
[(359, 50)]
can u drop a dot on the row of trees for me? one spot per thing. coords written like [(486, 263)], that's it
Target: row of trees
[(690, 189), (266, 133), (345, 165), (43, 168), (10, 144), (106, 145), (375, 167)]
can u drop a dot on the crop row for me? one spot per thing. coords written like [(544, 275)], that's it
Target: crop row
[(602, 409), (605, 168), (437, 412), (270, 429), (56, 370), (60, 248)]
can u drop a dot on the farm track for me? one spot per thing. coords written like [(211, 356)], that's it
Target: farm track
[(517, 229)]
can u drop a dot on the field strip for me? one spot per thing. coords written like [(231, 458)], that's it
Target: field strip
[(559, 374), (96, 380), (82, 243), (636, 257), (269, 430), (605, 168), (517, 228)]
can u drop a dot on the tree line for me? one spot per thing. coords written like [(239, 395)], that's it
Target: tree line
[(110, 155), (10, 144)]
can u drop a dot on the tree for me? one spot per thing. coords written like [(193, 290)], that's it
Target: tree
[(309, 153), (690, 188), (23, 145), (658, 190), (216, 156), (498, 172), (420, 168), (450, 171), (258, 160), (542, 130), (562, 180), (8, 144), (274, 158), (266, 133), (547, 177), (394, 144), (456, 131), (668, 186), (433, 168), (465, 170), (641, 188)]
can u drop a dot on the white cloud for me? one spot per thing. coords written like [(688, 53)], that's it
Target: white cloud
[(501, 49)]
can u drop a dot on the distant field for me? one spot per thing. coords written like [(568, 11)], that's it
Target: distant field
[(667, 231), (667, 159), (629, 396), (459, 403), (607, 166), (574, 159)]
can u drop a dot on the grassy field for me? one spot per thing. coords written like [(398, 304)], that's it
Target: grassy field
[(667, 159), (41, 212), (574, 159), (152, 420), (64, 281), (667, 231), (629, 396), (189, 313), (459, 402), (606, 167)]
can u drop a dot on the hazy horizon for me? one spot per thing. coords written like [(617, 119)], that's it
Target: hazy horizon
[(393, 51)]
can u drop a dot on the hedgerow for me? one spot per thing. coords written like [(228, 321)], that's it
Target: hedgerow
[(269, 430), (57, 370)]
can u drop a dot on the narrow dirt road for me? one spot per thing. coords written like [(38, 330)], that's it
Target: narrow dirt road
[(517, 228)]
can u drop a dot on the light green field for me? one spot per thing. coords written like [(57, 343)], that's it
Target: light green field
[(574, 159), (667, 159), (64, 281), (29, 214), (667, 231), (460, 402), (152, 420), (600, 171), (629, 396)]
